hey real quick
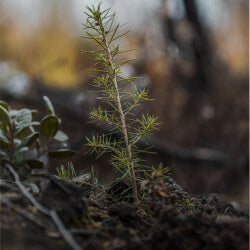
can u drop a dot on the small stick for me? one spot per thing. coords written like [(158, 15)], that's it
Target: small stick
[(52, 213), (25, 214)]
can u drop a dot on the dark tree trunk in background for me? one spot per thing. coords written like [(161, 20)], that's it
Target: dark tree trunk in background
[(197, 49), (200, 47)]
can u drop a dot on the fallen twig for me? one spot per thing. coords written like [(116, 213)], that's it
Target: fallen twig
[(7, 184), (52, 213), (26, 214)]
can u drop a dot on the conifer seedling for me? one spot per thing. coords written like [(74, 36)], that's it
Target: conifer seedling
[(118, 106)]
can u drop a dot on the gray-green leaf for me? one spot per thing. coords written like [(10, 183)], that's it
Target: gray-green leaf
[(49, 105), (49, 125), (35, 123), (33, 113), (18, 155), (3, 138), (29, 140), (5, 117), (2, 154), (4, 105), (24, 119), (62, 153), (61, 136)]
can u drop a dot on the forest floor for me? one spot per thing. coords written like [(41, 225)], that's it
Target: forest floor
[(168, 218)]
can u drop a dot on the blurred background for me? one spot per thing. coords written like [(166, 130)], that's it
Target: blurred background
[(193, 56)]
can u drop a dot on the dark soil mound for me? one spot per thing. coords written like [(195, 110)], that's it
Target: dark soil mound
[(169, 218)]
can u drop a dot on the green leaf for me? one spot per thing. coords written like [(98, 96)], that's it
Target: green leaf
[(13, 113), (34, 188), (17, 142), (33, 113), (18, 155), (2, 154), (3, 138), (29, 140), (5, 117), (49, 125), (24, 119), (4, 105), (49, 105), (61, 136), (35, 164), (62, 153), (35, 123), (21, 134)]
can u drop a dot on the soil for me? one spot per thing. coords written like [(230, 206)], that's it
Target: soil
[(168, 217)]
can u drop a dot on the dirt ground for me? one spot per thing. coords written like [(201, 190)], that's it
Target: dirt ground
[(168, 218)]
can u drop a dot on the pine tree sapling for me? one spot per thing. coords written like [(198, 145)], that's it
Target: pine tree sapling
[(100, 27)]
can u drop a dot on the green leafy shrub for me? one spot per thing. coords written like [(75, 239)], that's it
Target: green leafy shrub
[(101, 28), (23, 141)]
